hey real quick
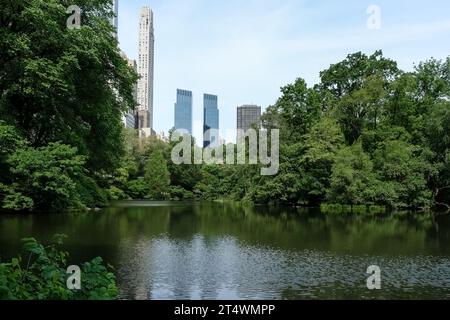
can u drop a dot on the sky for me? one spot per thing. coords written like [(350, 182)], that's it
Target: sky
[(244, 51)]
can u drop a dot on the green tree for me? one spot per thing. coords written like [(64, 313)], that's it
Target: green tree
[(353, 180), (60, 84), (357, 90), (321, 145), (157, 176), (295, 111), (45, 178), (404, 171)]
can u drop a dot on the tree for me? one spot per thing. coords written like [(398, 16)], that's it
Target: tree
[(45, 178), (353, 180), (295, 111), (357, 87), (64, 85), (404, 170), (437, 133), (350, 74), (157, 176), (321, 145)]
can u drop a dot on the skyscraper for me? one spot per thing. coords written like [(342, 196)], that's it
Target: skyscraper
[(210, 121), (130, 119), (183, 111), (248, 115), (115, 19), (146, 70)]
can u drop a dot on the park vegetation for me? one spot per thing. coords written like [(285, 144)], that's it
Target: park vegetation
[(367, 134), (40, 273)]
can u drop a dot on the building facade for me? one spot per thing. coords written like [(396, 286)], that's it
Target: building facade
[(115, 19), (210, 121), (146, 70), (248, 116), (130, 118), (183, 111)]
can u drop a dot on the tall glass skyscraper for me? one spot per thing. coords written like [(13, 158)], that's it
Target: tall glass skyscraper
[(210, 121), (183, 111)]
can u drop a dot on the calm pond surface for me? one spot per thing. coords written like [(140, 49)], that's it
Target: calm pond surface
[(167, 250)]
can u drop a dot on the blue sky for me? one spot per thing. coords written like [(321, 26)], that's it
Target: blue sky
[(245, 50)]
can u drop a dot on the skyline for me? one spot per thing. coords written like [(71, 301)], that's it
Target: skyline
[(244, 56)]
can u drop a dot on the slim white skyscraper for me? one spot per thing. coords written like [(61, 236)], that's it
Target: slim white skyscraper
[(115, 19), (146, 69)]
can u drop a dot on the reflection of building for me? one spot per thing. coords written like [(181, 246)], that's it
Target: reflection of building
[(183, 111), (247, 116), (210, 121), (146, 70)]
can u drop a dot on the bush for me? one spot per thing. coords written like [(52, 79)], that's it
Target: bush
[(138, 189), (115, 194), (91, 195), (179, 193), (41, 275), (47, 176)]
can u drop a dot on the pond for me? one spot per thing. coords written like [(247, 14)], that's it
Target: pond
[(175, 250)]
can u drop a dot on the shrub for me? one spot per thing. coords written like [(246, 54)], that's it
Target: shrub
[(41, 275), (138, 189)]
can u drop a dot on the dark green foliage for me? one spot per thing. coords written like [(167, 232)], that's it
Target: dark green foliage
[(353, 180), (157, 176), (90, 194), (47, 176), (62, 96), (138, 189), (40, 274), (178, 193), (64, 85), (368, 134)]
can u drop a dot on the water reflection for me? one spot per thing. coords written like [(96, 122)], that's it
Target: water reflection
[(164, 250)]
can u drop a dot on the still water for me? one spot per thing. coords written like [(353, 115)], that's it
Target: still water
[(166, 250)]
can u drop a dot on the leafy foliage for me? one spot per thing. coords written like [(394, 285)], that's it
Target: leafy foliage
[(64, 85), (47, 175), (157, 176), (40, 274)]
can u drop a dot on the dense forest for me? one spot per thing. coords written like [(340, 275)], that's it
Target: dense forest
[(367, 134)]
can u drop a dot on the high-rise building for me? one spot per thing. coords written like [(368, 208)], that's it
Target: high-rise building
[(183, 111), (247, 116), (115, 19), (130, 118), (210, 121), (146, 70)]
